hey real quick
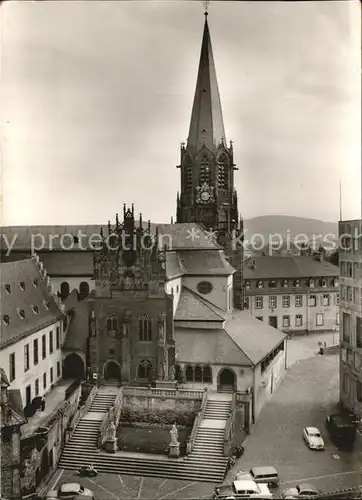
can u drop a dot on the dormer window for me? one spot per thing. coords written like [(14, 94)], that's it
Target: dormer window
[(76, 240), (8, 288), (35, 309), (21, 313), (323, 282), (272, 284), (297, 283), (35, 283), (22, 285), (247, 284), (46, 304), (260, 284), (336, 282), (6, 319), (311, 283), (285, 283)]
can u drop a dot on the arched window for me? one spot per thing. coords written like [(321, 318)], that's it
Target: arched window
[(198, 374), (178, 373), (223, 173), (83, 290), (145, 369), (260, 284), (323, 282), (145, 329), (297, 283), (111, 325), (311, 283), (247, 284), (205, 171), (64, 290), (272, 284), (189, 374), (285, 283), (188, 176), (207, 375)]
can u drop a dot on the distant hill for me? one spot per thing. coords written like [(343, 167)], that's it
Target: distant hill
[(285, 225)]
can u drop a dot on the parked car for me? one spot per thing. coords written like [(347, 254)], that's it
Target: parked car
[(313, 438), (242, 489), (267, 475), (302, 490), (342, 430), (71, 491)]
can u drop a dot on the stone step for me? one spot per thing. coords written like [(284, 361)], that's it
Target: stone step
[(157, 468)]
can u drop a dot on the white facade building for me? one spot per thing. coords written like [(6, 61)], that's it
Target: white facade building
[(31, 329)]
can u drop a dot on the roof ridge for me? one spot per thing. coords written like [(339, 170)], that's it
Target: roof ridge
[(237, 345), (203, 301)]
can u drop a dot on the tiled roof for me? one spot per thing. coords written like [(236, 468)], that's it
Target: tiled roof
[(50, 236), (173, 265), (205, 262), (185, 236), (254, 337), (268, 267), (68, 263), (29, 297), (191, 307), (209, 347), (77, 335)]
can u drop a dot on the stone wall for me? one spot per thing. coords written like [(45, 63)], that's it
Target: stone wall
[(159, 403), (41, 451)]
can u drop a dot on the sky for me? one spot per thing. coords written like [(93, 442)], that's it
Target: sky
[(96, 98)]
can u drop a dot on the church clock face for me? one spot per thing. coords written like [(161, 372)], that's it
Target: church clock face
[(205, 196), (205, 193)]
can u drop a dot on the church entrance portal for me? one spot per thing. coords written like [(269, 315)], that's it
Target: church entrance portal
[(73, 367), (227, 380), (112, 371)]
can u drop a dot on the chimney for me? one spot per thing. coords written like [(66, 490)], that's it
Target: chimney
[(321, 256), (253, 264)]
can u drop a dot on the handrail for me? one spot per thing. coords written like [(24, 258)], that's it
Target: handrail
[(117, 405), (163, 393), (84, 409), (230, 425), (200, 415)]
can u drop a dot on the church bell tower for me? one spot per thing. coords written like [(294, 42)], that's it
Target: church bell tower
[(208, 195)]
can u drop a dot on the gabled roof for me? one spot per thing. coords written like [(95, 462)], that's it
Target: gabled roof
[(174, 267), (207, 125), (243, 341), (205, 262), (78, 330), (254, 337), (28, 293), (50, 236), (268, 267), (194, 345), (185, 236), (191, 307)]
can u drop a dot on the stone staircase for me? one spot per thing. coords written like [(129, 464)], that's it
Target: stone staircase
[(208, 450), (206, 462), (84, 440)]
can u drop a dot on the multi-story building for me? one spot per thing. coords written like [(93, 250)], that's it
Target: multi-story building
[(350, 259), (295, 294), (31, 329)]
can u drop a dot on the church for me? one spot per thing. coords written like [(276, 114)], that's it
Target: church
[(163, 303)]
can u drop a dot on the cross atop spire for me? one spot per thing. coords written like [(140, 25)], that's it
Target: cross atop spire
[(207, 124), (205, 4)]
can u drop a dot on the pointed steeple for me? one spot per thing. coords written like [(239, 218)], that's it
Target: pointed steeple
[(207, 124)]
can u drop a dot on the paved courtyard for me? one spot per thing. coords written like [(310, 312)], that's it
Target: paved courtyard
[(307, 394)]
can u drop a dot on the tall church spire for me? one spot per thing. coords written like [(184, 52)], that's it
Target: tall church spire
[(207, 124)]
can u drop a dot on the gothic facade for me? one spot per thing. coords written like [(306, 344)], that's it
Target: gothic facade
[(131, 326)]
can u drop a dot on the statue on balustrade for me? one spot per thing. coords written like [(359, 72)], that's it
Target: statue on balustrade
[(174, 435), (172, 373)]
